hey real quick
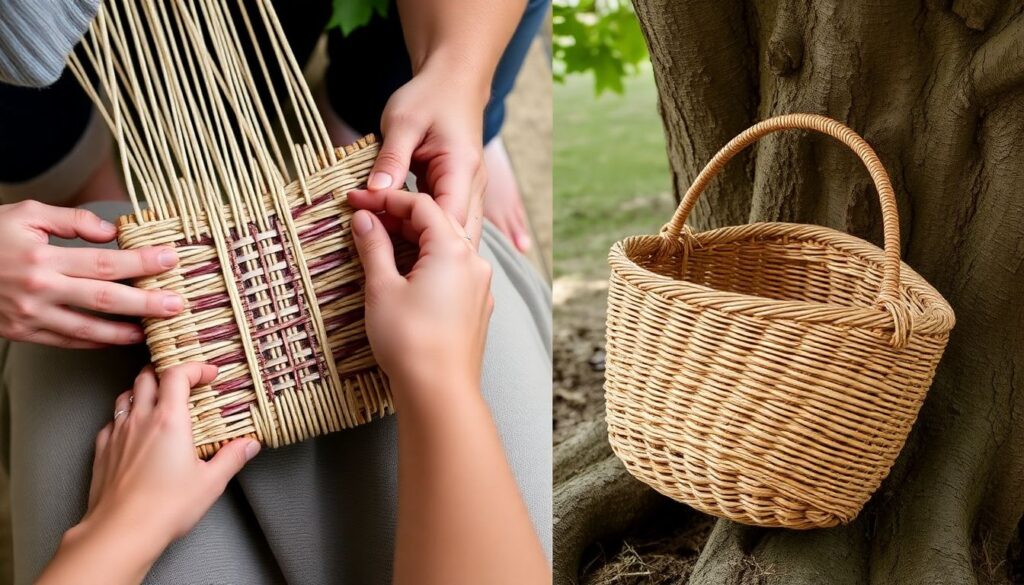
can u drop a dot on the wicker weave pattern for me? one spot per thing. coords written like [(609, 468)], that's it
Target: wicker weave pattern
[(768, 373), (297, 399)]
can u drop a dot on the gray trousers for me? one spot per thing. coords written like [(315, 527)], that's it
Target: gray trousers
[(319, 512)]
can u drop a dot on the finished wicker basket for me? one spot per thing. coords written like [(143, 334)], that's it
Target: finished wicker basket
[(768, 373)]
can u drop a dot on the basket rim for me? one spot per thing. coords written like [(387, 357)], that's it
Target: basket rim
[(937, 317)]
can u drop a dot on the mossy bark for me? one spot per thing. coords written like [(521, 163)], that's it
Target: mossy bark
[(938, 89)]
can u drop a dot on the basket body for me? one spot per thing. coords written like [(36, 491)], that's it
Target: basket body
[(299, 399), (750, 373)]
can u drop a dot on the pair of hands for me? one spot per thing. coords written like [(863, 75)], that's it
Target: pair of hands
[(422, 326), (431, 125), (430, 322)]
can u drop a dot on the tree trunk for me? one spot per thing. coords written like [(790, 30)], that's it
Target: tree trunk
[(938, 90)]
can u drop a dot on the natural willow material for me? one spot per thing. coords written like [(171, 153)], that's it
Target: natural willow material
[(768, 373), (228, 160)]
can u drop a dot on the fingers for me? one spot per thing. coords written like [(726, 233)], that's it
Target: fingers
[(103, 439), (231, 458), (423, 215), (392, 164), (474, 222), (374, 246), (453, 188), (145, 390), (68, 222), (114, 264), (90, 328), (99, 463), (122, 408), (120, 299), (44, 337), (177, 382)]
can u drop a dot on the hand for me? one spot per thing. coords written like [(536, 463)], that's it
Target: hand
[(148, 486), (40, 283), (426, 329), (146, 456), (434, 124)]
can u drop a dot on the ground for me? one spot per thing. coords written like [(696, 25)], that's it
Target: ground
[(612, 180)]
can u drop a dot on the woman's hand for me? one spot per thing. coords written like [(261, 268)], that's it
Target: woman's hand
[(148, 485), (40, 284), (427, 329), (434, 125), (460, 516)]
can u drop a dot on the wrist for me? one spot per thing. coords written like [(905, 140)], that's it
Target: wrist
[(419, 395), (135, 542), (456, 68)]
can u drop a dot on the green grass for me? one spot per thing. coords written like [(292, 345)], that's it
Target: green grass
[(611, 175)]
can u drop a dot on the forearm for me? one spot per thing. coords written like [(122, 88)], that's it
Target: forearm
[(461, 518), (466, 37)]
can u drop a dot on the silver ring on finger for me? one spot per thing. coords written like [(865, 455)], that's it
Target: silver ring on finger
[(120, 412)]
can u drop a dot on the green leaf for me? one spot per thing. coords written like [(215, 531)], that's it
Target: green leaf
[(601, 37), (349, 15)]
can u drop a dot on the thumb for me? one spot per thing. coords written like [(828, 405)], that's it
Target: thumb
[(231, 458), (374, 247), (392, 164)]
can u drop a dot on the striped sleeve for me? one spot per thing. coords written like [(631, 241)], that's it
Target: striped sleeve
[(36, 37)]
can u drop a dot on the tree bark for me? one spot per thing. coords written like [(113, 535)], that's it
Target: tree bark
[(938, 90)]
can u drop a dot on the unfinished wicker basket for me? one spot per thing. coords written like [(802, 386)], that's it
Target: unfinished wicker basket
[(768, 373), (227, 159), (295, 397)]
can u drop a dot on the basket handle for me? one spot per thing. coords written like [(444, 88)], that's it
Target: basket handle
[(888, 298)]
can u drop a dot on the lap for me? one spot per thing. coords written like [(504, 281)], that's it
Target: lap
[(317, 512)]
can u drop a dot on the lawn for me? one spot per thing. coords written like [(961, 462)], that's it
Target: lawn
[(611, 175)]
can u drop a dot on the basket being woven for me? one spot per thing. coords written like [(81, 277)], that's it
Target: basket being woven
[(768, 373), (227, 159), (295, 397)]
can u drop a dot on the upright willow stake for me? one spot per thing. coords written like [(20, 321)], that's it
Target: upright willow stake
[(267, 267)]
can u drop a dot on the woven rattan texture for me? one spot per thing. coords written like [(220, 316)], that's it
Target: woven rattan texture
[(768, 373), (300, 400)]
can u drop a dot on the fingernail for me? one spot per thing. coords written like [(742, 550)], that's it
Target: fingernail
[(172, 303), (379, 180), (251, 450), (137, 336), (107, 226), (167, 258), (361, 223)]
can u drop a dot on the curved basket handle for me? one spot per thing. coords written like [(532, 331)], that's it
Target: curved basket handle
[(888, 297)]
